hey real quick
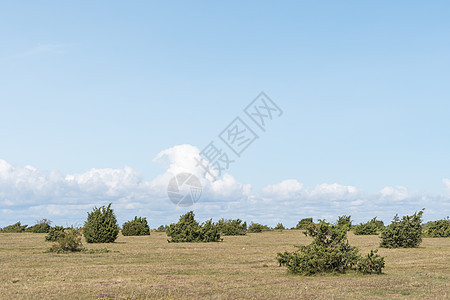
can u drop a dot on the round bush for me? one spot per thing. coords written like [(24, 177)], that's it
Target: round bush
[(405, 233), (135, 227), (101, 226)]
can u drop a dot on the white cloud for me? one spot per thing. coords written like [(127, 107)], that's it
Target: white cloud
[(27, 193), (293, 190), (178, 159), (228, 188), (181, 158), (285, 190), (109, 182), (398, 193), (334, 192)]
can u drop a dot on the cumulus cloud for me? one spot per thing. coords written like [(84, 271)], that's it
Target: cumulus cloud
[(27, 192), (287, 189), (398, 193), (184, 158), (334, 192), (293, 190), (25, 185)]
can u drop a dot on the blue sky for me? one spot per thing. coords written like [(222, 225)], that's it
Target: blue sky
[(109, 85)]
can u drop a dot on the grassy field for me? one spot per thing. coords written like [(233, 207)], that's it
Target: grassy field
[(238, 267)]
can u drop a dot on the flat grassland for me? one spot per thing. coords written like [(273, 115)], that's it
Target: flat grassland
[(239, 267)]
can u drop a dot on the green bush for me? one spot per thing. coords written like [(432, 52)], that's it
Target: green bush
[(344, 222), (232, 227), (405, 233), (101, 226), (440, 228), (304, 223), (14, 228), (369, 228), (209, 232), (380, 224), (371, 264), (54, 233), (256, 227), (68, 241), (329, 252), (42, 226), (138, 226), (279, 227), (189, 230), (162, 228)]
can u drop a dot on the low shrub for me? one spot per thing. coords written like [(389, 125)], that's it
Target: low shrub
[(371, 264), (68, 241), (440, 228), (209, 232), (54, 233), (256, 227), (329, 252), (42, 226), (162, 228), (369, 228), (189, 230), (405, 233), (138, 226), (304, 223), (14, 228), (279, 227), (232, 227), (96, 251)]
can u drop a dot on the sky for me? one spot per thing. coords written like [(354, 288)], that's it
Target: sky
[(106, 101)]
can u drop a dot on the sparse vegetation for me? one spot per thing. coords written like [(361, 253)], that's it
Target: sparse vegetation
[(101, 226), (151, 268), (329, 252), (138, 226)]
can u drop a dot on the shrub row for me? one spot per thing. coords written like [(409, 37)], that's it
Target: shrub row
[(101, 227), (42, 226)]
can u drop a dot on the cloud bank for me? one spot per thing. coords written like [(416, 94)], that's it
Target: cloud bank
[(28, 194)]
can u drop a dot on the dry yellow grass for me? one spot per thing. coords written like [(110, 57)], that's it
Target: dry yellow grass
[(239, 267)]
